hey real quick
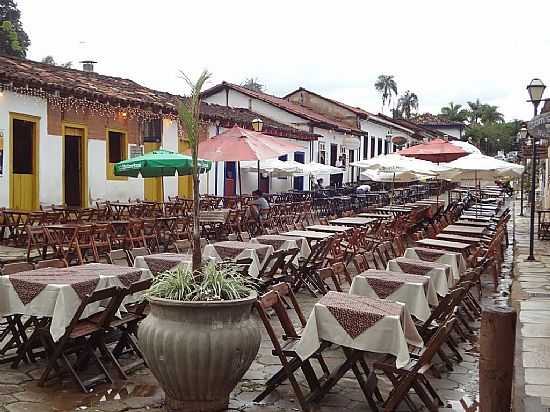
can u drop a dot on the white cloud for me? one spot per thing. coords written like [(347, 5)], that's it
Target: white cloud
[(443, 51)]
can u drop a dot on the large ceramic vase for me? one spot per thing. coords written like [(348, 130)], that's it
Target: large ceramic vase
[(198, 351)]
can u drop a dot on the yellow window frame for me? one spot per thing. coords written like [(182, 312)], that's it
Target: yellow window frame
[(111, 166)]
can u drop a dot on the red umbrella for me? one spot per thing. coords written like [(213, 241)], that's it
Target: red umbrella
[(238, 144), (437, 150)]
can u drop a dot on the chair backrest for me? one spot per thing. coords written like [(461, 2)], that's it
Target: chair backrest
[(370, 260), (379, 258), (327, 273), (183, 246), (245, 236), (435, 342), (11, 268), (51, 263), (443, 310), (360, 263), (284, 290), (138, 251), (340, 270), (272, 264), (118, 257)]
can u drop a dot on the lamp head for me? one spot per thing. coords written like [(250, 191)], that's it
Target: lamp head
[(257, 125), (536, 90)]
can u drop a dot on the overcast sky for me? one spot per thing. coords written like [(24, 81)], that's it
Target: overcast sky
[(441, 50)]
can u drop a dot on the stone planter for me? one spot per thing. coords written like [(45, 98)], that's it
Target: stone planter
[(198, 351)]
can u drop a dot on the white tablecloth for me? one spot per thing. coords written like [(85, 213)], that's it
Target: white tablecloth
[(413, 291), (440, 273), (179, 260), (281, 242), (59, 301), (455, 260), (246, 252), (391, 334)]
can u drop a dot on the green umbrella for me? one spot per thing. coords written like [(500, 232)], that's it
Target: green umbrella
[(160, 163)]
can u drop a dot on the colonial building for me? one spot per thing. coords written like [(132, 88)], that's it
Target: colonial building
[(379, 132), (338, 141), (452, 129), (62, 130)]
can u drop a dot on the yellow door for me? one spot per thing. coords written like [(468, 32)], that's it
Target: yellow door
[(152, 189), (24, 162)]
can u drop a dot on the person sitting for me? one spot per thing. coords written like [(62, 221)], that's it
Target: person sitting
[(259, 206), (319, 184)]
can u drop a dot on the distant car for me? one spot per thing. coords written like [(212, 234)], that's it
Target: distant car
[(500, 157), (512, 156)]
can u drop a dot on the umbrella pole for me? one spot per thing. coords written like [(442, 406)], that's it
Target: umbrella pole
[(216, 180), (258, 166), (162, 188), (240, 181)]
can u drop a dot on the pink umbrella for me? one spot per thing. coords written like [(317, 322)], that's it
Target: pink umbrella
[(238, 144), (437, 150)]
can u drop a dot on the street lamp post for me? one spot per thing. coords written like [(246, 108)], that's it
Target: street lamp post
[(258, 126), (535, 90), (522, 138)]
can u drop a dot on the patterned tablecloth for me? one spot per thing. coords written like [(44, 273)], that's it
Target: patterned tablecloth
[(455, 260), (161, 262), (57, 293), (412, 290), (360, 323), (234, 250), (440, 273), (281, 242)]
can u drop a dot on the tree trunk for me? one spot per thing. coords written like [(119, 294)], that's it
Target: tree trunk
[(197, 253)]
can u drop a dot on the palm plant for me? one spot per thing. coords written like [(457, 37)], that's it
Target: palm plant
[(454, 112), (189, 114), (407, 103), (386, 86), (253, 84), (474, 112), (489, 114)]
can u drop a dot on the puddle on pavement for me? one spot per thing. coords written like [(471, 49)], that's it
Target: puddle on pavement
[(70, 400)]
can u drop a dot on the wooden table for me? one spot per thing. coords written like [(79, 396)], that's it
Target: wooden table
[(465, 230), (395, 210), (310, 235), (476, 219), (459, 238), (379, 216), (329, 228), (464, 222), (445, 245), (353, 221)]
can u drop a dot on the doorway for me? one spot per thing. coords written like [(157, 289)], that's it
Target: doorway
[(298, 183), (152, 186), (230, 183), (74, 169), (23, 162)]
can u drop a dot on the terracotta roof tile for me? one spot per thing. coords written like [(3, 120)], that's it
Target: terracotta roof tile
[(428, 119)]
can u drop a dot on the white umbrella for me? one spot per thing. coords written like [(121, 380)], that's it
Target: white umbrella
[(389, 177), (467, 147), (276, 167), (477, 166), (397, 163), (315, 169)]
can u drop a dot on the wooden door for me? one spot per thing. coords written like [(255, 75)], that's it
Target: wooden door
[(230, 183), (75, 185), (152, 186), (24, 163), (298, 183)]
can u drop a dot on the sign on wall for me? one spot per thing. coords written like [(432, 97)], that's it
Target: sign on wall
[(135, 151), (539, 126)]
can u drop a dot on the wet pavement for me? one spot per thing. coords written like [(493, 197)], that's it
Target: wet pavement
[(531, 298), (19, 391)]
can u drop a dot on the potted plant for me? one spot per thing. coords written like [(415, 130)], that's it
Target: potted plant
[(199, 338)]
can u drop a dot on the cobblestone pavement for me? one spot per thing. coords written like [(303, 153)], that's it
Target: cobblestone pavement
[(531, 297), (19, 391)]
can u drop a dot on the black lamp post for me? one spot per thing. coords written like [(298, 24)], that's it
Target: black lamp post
[(258, 126), (536, 90), (522, 135)]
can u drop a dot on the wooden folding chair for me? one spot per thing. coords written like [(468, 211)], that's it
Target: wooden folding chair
[(283, 346), (370, 260), (137, 251), (79, 339), (341, 271), (118, 257), (127, 327), (360, 263), (327, 273), (412, 376)]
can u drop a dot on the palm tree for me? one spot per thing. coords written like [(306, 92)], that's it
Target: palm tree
[(454, 112), (189, 114), (253, 84), (407, 103), (386, 86), (490, 114), (475, 112)]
